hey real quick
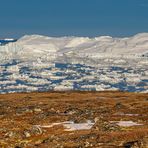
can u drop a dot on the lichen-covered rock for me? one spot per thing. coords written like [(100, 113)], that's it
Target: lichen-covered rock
[(103, 125)]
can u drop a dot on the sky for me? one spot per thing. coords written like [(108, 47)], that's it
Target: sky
[(117, 18)]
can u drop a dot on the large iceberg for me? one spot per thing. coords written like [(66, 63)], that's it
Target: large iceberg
[(34, 46)]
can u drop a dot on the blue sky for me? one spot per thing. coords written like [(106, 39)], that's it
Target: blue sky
[(73, 17)]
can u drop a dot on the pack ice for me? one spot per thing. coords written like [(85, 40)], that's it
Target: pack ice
[(41, 63)]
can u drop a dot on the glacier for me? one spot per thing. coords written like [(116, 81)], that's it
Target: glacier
[(42, 63)]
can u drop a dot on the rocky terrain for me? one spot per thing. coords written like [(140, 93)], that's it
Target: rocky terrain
[(74, 120)]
